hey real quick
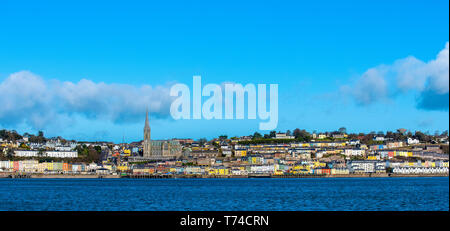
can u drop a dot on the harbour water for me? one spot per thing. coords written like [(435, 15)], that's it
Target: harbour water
[(304, 194)]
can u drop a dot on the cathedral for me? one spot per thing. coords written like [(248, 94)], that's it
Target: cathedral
[(158, 149)]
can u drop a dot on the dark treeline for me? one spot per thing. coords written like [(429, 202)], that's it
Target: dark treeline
[(302, 135), (13, 135)]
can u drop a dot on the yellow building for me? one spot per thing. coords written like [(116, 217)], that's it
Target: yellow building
[(240, 153), (122, 167), (372, 157), (339, 171), (108, 166), (127, 152), (219, 171), (49, 166), (300, 169), (318, 164)]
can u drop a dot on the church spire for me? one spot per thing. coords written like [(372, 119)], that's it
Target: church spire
[(146, 118), (147, 140)]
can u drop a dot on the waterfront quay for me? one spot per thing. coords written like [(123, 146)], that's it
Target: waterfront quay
[(176, 176)]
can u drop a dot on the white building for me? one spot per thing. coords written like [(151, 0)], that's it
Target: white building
[(26, 153), (379, 138), (227, 153), (419, 170), (410, 141), (55, 154), (367, 166), (261, 169), (62, 154), (6, 165), (354, 152), (354, 142), (283, 136)]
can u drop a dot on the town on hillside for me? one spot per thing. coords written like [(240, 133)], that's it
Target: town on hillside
[(276, 154)]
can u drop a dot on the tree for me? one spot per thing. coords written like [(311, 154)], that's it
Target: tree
[(389, 134), (342, 130), (421, 136), (10, 153), (10, 135), (288, 132), (273, 134), (445, 149), (93, 155), (296, 133), (223, 137), (302, 135), (257, 135), (98, 148), (202, 141)]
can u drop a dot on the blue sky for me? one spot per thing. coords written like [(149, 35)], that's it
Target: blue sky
[(337, 63)]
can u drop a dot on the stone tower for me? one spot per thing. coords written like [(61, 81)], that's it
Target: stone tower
[(147, 144)]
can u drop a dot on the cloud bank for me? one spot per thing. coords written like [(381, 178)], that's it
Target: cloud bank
[(26, 98), (430, 80)]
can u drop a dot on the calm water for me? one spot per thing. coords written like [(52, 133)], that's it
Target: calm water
[(226, 194)]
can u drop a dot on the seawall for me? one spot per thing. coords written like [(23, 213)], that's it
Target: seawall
[(96, 176)]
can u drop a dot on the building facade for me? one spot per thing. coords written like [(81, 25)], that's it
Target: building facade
[(158, 149)]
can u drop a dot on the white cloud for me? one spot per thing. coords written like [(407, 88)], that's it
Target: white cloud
[(370, 86), (430, 79), (439, 73), (28, 98)]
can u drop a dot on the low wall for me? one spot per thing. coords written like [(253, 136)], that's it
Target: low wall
[(76, 176)]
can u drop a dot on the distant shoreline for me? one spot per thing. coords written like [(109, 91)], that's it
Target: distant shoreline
[(96, 176)]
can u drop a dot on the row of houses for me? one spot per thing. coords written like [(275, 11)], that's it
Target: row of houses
[(419, 164), (34, 166), (280, 168), (54, 154), (317, 168), (416, 170)]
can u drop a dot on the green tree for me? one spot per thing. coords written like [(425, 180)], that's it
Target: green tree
[(302, 135), (202, 141), (342, 130), (223, 137), (288, 132), (257, 135), (24, 146), (422, 136), (272, 134), (9, 154)]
